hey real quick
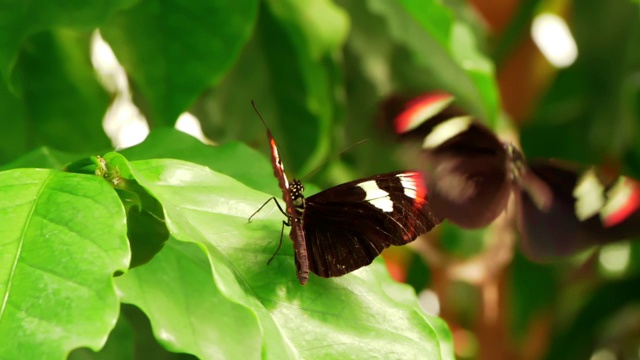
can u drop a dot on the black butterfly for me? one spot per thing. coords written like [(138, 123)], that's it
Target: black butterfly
[(471, 174), (345, 227)]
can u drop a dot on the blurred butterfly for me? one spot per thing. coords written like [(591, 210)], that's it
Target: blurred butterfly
[(471, 174)]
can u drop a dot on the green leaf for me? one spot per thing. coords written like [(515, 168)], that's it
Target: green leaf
[(174, 49), (188, 312), (305, 59), (119, 345), (291, 69), (21, 19), (42, 157), (174, 144), (447, 49), (13, 128), (146, 227), (147, 234), (474, 83), (341, 317), (63, 238), (63, 102)]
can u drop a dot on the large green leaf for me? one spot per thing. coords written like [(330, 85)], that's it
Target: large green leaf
[(308, 38), (174, 49), (174, 144), (469, 73), (56, 100), (119, 345), (290, 68), (22, 18), (43, 157), (188, 312), (353, 316), (63, 101), (63, 237), (444, 50)]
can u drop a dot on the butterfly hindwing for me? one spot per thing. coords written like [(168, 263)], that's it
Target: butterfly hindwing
[(585, 211), (554, 230)]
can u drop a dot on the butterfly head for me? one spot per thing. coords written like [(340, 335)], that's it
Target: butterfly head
[(297, 189)]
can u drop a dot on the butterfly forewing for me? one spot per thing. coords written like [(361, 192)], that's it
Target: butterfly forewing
[(347, 226), (278, 172)]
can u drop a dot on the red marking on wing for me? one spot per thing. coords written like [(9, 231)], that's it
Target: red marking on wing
[(420, 182), (417, 182), (629, 207), (403, 121)]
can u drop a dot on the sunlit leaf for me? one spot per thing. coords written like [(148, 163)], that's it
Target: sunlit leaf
[(171, 143), (63, 237), (291, 69), (343, 317)]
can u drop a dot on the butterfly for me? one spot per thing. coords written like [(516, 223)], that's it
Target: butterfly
[(562, 208), (344, 228)]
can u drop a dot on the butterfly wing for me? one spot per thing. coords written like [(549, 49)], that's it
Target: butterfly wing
[(347, 226), (467, 172), (585, 210), (466, 164), (297, 234)]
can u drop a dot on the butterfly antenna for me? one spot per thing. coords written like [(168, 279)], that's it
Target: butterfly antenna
[(269, 134), (337, 155), (255, 108)]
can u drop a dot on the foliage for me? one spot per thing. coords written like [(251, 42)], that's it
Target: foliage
[(147, 252)]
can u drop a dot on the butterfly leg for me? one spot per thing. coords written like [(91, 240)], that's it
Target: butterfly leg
[(265, 203), (284, 223)]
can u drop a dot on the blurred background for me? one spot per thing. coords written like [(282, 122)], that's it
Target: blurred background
[(560, 77)]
